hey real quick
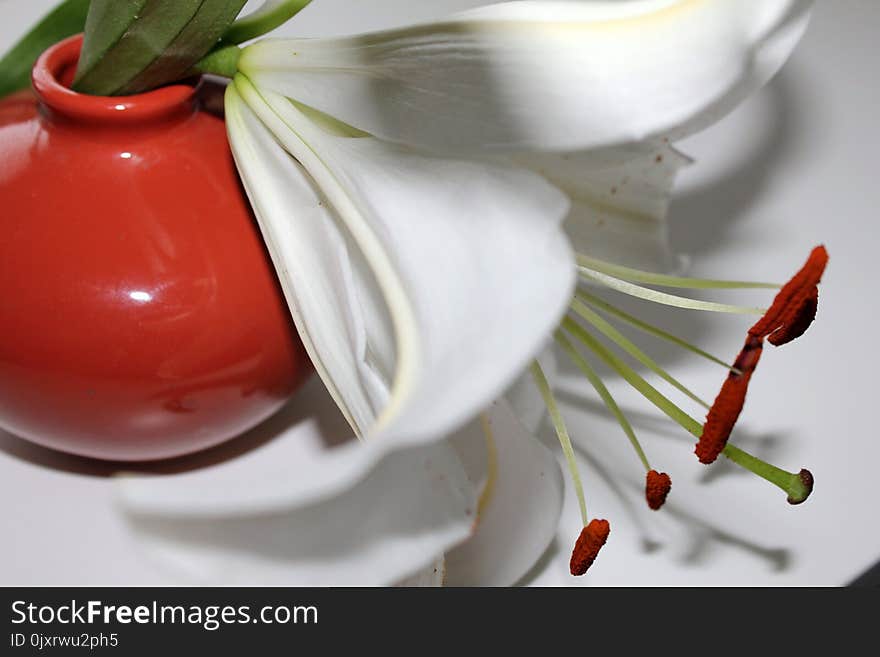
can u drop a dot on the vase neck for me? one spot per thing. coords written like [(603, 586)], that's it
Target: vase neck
[(53, 73)]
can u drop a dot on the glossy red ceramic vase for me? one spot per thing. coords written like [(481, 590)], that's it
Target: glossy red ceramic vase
[(140, 315)]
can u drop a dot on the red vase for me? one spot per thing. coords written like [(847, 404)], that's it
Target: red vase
[(140, 316)]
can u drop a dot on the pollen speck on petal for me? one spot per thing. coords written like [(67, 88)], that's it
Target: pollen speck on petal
[(657, 487), (729, 403), (591, 540)]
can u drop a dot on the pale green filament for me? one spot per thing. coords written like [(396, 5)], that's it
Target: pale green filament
[(649, 278), (630, 347), (596, 302), (596, 381), (633, 378), (562, 433), (663, 298), (792, 484)]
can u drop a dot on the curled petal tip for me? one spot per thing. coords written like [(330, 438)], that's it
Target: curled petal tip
[(588, 544)]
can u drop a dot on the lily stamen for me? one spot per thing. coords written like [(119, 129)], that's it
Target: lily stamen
[(593, 537), (655, 492), (595, 532), (729, 404), (798, 322), (657, 487), (796, 485), (792, 312), (790, 315), (794, 307)]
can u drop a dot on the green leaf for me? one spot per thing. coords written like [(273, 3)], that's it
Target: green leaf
[(107, 23), (205, 29), (133, 46), (272, 14), (223, 59), (67, 19)]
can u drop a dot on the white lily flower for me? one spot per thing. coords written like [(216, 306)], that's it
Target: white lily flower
[(419, 191)]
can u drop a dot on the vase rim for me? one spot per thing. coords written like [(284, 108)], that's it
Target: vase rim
[(52, 91)]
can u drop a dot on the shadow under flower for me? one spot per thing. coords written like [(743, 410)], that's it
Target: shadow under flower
[(704, 534)]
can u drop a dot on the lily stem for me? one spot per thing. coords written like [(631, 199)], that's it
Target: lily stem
[(222, 61)]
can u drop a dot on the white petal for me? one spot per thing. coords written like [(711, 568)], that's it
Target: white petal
[(207, 527), (309, 248), (550, 76), (620, 199), (468, 260), (520, 513), (466, 263), (432, 577)]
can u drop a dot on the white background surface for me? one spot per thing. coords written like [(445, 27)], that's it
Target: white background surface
[(794, 167)]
